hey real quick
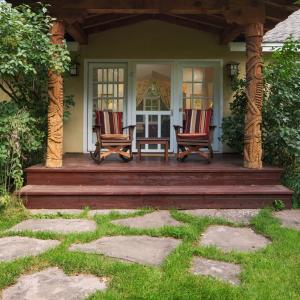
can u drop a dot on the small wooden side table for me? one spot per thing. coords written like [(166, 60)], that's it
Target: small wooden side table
[(152, 141)]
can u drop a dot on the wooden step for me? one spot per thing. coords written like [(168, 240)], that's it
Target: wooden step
[(162, 197), (153, 176)]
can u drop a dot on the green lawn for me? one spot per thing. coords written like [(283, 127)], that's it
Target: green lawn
[(273, 273)]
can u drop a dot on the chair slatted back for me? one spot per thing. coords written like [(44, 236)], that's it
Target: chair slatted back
[(110, 122), (197, 121)]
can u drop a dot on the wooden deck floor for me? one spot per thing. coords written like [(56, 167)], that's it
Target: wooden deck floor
[(151, 163), (224, 183)]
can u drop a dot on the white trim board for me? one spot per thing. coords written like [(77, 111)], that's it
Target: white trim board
[(266, 47)]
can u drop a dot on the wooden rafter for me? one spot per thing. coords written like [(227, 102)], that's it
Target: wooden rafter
[(230, 33), (76, 31)]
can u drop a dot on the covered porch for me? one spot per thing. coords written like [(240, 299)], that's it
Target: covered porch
[(75, 181)]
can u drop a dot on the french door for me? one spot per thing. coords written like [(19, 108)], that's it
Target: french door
[(153, 102)]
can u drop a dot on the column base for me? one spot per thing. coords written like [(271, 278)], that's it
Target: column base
[(253, 164), (54, 163)]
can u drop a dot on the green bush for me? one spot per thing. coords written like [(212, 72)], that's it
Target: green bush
[(281, 114), (19, 137)]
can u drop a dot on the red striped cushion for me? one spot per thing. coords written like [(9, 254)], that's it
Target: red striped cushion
[(110, 122), (197, 121)]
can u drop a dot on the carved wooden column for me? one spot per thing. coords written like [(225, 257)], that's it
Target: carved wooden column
[(55, 108), (253, 140)]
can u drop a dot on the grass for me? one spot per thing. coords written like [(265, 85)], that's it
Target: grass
[(271, 273)]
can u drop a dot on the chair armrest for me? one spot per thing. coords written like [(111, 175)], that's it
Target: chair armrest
[(130, 126), (177, 128), (131, 130), (97, 130)]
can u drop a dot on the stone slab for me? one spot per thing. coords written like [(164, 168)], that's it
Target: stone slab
[(155, 219), (233, 239), (140, 249), (289, 218), (55, 211), (227, 272), (56, 225), (94, 212), (14, 247), (232, 215), (53, 284)]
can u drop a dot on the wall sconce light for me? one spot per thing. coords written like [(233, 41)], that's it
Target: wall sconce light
[(232, 70), (74, 69)]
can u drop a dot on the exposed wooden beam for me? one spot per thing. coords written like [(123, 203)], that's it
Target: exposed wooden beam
[(230, 33), (178, 20), (128, 20), (76, 31)]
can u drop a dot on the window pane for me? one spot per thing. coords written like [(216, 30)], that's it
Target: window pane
[(152, 128), (198, 74), (165, 126), (104, 74), (199, 89), (110, 75), (121, 90), (121, 75), (187, 74)]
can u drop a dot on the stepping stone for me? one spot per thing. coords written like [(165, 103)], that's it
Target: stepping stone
[(289, 218), (233, 239), (92, 213), (55, 211), (156, 219), (14, 247), (53, 284), (56, 225), (140, 249), (232, 215), (220, 270)]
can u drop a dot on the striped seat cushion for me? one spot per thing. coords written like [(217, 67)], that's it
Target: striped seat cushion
[(197, 121), (110, 122)]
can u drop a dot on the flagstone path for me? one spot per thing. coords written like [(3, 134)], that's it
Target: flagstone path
[(221, 270), (155, 219), (56, 225), (140, 249), (232, 215), (289, 218), (14, 247), (233, 239), (53, 284)]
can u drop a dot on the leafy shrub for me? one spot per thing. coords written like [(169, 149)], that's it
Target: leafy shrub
[(281, 114), (18, 138)]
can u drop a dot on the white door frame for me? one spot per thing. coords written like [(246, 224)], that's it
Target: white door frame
[(176, 93), (132, 103)]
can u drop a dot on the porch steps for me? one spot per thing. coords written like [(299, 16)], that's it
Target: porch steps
[(162, 197)]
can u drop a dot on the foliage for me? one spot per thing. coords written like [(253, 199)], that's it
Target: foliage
[(26, 56), (278, 205), (233, 125), (281, 114), (18, 137)]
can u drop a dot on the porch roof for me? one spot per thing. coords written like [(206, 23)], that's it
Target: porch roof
[(224, 18)]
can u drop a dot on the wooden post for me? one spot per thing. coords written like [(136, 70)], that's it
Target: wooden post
[(253, 141), (55, 108)]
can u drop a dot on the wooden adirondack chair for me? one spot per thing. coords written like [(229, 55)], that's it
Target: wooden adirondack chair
[(111, 137), (195, 135)]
